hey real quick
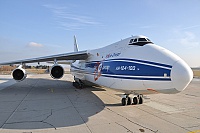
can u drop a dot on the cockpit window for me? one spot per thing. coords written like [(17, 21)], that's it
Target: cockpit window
[(131, 41), (148, 39), (142, 40), (139, 41)]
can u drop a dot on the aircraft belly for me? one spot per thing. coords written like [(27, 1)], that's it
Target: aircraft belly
[(134, 86), (158, 85), (101, 81), (127, 84), (118, 84)]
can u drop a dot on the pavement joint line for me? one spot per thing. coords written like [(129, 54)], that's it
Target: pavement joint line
[(33, 122), (110, 95), (132, 121), (78, 111), (22, 122), (128, 130), (193, 126), (164, 120), (18, 105), (162, 103), (47, 118), (42, 121), (190, 116), (191, 95)]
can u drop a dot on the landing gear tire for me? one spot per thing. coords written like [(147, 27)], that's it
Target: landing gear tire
[(124, 101), (75, 84), (78, 85), (129, 102), (135, 100), (141, 100)]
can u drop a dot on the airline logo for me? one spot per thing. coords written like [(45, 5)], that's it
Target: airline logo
[(97, 72), (112, 55)]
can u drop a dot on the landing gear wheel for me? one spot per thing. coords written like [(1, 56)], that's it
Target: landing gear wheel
[(75, 84), (124, 101), (140, 100), (135, 100), (81, 85), (78, 85), (129, 102)]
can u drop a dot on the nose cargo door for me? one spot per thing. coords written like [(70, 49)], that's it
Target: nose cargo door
[(181, 75)]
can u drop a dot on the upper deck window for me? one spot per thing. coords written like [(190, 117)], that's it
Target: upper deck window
[(139, 41)]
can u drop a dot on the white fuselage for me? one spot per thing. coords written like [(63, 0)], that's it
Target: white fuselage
[(134, 69)]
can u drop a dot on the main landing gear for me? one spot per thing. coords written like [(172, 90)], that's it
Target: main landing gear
[(78, 83), (126, 100)]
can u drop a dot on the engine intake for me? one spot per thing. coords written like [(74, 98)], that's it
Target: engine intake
[(19, 74), (57, 71)]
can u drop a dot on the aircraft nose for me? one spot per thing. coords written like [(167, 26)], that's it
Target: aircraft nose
[(181, 75)]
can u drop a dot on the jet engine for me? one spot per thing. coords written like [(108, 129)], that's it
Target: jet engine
[(19, 74), (56, 71)]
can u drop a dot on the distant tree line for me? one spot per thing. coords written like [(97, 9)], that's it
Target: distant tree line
[(36, 67), (7, 68), (12, 67)]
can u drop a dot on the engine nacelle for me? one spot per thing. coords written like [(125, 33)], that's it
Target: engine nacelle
[(57, 71), (19, 74)]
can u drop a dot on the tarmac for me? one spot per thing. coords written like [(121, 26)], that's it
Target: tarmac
[(40, 104)]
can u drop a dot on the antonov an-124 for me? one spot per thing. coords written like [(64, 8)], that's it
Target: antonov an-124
[(133, 66)]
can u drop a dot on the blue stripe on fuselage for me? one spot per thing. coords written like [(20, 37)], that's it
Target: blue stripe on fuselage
[(129, 69), (136, 60), (142, 61)]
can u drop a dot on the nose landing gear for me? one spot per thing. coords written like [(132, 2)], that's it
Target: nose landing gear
[(126, 100)]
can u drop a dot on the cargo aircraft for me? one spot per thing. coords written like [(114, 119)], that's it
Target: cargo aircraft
[(135, 66)]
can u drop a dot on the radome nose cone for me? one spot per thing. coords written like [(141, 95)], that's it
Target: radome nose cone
[(181, 75)]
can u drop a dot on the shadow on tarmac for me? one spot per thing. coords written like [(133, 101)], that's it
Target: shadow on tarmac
[(47, 103)]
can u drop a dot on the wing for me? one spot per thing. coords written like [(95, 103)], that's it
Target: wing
[(61, 62), (80, 55)]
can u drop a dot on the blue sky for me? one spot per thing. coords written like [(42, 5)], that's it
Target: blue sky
[(32, 28)]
